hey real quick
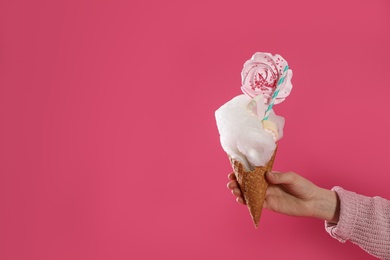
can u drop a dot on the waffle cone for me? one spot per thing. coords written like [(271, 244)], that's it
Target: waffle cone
[(253, 186)]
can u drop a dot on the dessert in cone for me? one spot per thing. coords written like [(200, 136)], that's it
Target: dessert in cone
[(249, 127), (253, 186)]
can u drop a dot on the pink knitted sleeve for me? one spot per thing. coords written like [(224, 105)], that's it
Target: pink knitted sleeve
[(365, 221)]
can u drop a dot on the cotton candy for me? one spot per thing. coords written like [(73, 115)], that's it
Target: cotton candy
[(242, 134)]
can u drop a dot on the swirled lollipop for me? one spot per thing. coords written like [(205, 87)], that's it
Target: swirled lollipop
[(261, 75)]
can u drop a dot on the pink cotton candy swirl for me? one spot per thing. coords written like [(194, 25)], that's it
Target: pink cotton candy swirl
[(261, 74)]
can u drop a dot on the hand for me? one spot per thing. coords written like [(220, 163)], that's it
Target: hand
[(291, 194)]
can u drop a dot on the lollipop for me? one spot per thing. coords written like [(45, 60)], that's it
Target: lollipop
[(261, 75)]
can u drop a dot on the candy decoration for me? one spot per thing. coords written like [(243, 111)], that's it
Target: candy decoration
[(260, 76)]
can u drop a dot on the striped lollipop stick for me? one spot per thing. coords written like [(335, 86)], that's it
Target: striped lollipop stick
[(276, 92)]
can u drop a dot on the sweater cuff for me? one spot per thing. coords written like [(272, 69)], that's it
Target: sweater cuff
[(349, 208)]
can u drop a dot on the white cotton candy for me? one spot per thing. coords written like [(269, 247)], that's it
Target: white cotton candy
[(242, 134)]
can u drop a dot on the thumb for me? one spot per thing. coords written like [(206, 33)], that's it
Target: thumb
[(281, 178)]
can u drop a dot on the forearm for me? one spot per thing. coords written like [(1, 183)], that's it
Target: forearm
[(364, 221)]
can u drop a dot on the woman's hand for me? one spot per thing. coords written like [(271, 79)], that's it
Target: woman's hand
[(291, 194)]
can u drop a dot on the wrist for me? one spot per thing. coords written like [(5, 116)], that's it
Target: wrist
[(327, 206)]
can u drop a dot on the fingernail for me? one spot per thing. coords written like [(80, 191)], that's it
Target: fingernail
[(271, 174)]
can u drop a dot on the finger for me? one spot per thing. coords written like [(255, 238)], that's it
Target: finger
[(241, 200), (232, 176), (271, 190), (232, 184), (281, 178), (236, 192)]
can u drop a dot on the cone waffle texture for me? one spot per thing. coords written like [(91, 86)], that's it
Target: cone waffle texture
[(253, 186)]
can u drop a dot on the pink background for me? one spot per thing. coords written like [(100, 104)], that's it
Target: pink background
[(108, 143)]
